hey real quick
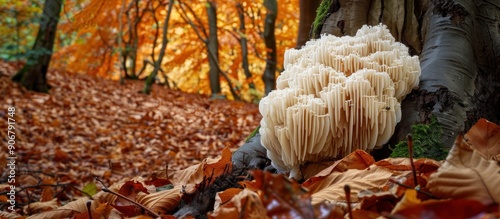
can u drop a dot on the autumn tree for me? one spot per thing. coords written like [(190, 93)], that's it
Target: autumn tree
[(18, 28), (307, 15), (269, 75), (459, 47), (33, 75), (157, 63), (244, 46), (97, 43)]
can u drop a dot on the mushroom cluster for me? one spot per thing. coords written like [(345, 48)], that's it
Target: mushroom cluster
[(336, 95)]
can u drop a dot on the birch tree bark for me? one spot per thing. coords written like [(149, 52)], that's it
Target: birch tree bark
[(458, 42)]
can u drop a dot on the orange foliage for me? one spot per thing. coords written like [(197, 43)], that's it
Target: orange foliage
[(94, 49)]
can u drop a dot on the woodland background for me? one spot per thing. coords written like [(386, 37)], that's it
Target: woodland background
[(87, 127), (123, 40)]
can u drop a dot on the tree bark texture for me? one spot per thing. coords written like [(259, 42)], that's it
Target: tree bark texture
[(164, 41), (244, 47), (458, 42), (269, 76), (213, 48), (33, 75), (306, 18)]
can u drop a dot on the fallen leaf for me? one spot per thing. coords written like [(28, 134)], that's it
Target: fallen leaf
[(358, 159), (225, 196), (411, 207), (47, 194), (209, 167), (484, 136), (331, 188), (245, 204), (90, 189), (38, 207), (466, 175), (161, 202)]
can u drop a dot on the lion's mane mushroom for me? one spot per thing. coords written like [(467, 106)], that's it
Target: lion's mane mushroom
[(336, 95)]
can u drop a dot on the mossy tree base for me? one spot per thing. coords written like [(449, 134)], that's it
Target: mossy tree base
[(33, 78), (426, 142)]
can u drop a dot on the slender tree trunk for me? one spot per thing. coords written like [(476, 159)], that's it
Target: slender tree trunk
[(213, 48), (33, 75), (459, 46), (269, 76), (164, 42), (135, 42), (307, 15), (121, 58), (244, 47)]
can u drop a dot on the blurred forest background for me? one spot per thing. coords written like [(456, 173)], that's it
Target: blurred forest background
[(218, 47)]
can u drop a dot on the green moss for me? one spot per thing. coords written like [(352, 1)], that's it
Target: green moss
[(321, 14), (426, 142), (253, 133)]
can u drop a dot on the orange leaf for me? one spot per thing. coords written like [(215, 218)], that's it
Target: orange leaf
[(358, 159), (226, 195), (47, 194), (245, 204), (466, 175), (411, 207), (484, 136)]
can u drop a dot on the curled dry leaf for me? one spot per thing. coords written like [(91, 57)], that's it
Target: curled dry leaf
[(358, 159), (225, 196), (411, 207), (423, 167), (285, 198), (467, 175), (245, 204), (161, 202), (281, 196), (47, 194), (194, 175), (10, 215), (38, 207), (484, 136), (331, 187)]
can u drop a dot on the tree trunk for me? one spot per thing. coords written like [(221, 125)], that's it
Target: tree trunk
[(121, 58), (269, 76), (33, 75), (458, 42), (213, 48), (244, 47), (307, 15), (164, 42)]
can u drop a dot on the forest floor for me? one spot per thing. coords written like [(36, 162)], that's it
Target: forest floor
[(90, 127)]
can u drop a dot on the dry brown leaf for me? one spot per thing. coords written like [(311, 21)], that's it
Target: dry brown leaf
[(79, 205), (331, 187), (38, 207), (364, 214), (162, 201), (245, 204), (411, 207), (358, 159), (225, 196), (47, 194), (103, 209), (56, 213), (466, 175), (484, 136), (10, 215), (209, 167)]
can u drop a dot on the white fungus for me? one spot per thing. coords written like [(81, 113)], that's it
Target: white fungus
[(336, 95)]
